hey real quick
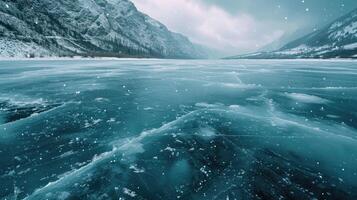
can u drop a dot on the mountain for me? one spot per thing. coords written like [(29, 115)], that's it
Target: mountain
[(336, 40), (87, 28), (284, 39)]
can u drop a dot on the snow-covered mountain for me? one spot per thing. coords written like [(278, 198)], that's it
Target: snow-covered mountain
[(86, 27), (337, 40)]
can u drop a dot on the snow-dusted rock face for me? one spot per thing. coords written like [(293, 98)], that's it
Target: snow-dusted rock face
[(86, 27), (329, 41), (337, 40)]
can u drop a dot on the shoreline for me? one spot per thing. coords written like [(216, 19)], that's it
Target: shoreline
[(143, 59), (69, 58)]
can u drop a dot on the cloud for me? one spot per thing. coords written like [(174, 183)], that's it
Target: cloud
[(211, 25)]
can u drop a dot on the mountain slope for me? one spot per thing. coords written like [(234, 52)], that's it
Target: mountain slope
[(337, 40), (86, 27)]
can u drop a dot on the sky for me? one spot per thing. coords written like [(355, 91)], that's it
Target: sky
[(242, 26)]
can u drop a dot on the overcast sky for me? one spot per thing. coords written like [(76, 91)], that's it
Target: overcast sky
[(240, 26)]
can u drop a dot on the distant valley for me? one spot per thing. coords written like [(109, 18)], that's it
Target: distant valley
[(337, 40)]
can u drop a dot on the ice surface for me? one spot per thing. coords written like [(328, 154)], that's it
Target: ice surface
[(204, 130)]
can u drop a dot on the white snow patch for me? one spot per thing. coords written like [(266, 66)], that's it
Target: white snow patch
[(66, 154), (129, 192), (207, 132), (351, 46), (148, 108), (306, 98), (101, 100), (18, 100), (207, 105), (136, 169), (234, 107)]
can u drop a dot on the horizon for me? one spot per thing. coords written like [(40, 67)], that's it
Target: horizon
[(242, 26)]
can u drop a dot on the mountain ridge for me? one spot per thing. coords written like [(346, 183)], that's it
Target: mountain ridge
[(88, 28)]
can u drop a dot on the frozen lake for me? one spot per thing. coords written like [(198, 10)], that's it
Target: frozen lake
[(176, 129)]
